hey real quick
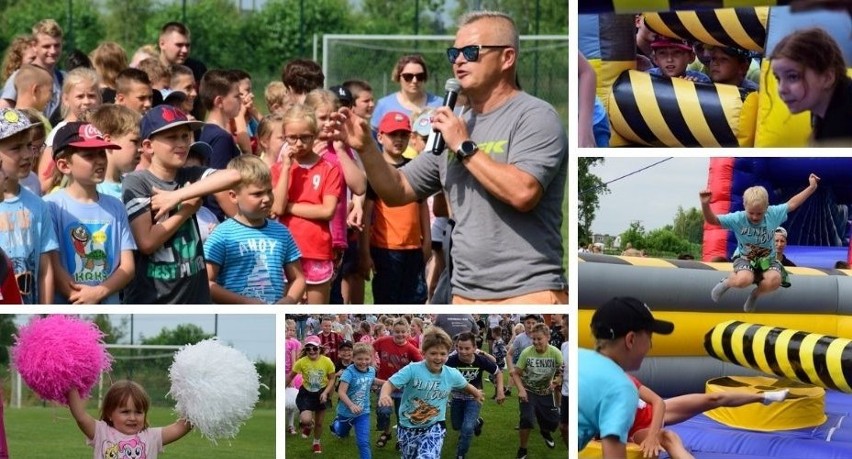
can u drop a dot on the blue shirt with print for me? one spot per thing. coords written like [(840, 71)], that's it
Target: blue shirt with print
[(755, 236)]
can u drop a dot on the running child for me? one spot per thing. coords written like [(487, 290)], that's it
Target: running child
[(353, 410), (317, 383), (533, 374), (426, 386), (123, 423), (393, 353), (754, 228), (464, 408)]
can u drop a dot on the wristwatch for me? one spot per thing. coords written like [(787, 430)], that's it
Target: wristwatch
[(466, 149)]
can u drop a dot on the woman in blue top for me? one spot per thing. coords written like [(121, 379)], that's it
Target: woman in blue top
[(411, 74)]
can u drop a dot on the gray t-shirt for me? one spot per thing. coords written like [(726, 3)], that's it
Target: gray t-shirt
[(455, 324), (499, 252), (10, 93), (176, 273)]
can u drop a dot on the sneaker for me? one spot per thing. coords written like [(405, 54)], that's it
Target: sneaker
[(477, 430), (332, 428), (398, 446), (748, 306), (306, 431), (522, 453), (291, 430), (775, 396), (719, 290), (548, 439), (317, 448)]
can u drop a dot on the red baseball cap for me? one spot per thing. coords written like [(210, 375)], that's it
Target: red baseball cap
[(395, 121), (666, 42), (80, 135)]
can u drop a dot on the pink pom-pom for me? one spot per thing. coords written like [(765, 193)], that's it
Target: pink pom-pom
[(57, 353), (297, 381)]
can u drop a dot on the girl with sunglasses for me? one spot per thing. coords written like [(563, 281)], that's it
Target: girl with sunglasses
[(411, 74), (318, 376)]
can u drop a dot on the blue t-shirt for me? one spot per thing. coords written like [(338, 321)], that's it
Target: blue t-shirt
[(389, 103), (92, 237), (698, 77), (251, 259), (424, 394), (759, 237), (360, 383), (606, 398), (110, 189), (26, 232), (600, 124)]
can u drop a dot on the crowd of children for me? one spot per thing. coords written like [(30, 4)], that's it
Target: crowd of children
[(377, 355), (130, 198)]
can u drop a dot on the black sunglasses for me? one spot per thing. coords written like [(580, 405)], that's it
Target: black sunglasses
[(470, 52), (410, 76)]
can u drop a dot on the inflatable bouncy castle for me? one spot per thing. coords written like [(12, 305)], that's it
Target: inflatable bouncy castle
[(651, 111), (818, 233)]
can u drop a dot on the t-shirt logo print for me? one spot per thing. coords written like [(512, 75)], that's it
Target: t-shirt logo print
[(422, 412)]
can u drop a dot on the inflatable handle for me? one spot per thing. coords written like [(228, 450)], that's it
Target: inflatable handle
[(811, 358)]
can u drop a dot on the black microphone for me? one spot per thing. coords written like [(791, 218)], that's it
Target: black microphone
[(435, 142)]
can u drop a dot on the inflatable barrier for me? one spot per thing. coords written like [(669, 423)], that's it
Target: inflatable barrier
[(811, 358), (641, 6)]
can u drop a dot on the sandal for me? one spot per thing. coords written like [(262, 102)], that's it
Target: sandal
[(383, 439)]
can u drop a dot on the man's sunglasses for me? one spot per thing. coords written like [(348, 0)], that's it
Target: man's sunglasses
[(410, 76), (470, 52)]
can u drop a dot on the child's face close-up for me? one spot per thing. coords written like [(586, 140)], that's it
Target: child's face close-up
[(127, 157), (300, 137), (539, 340), (87, 167), (344, 354), (82, 99), (273, 143), (138, 97), (171, 147), (254, 200), (323, 114), (364, 105), (755, 213), (435, 358), (400, 334), (394, 143), (128, 419), (362, 361), (312, 351), (291, 332), (186, 85), (466, 350), (232, 102), (724, 68), (672, 61), (326, 326), (15, 153), (799, 87), (529, 324)]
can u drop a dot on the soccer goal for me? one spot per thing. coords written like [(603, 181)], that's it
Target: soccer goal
[(542, 65), (147, 364)]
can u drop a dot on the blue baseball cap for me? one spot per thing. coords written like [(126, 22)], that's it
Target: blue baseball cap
[(162, 118)]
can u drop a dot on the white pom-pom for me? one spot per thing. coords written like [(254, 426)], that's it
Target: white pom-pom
[(216, 388), (290, 395)]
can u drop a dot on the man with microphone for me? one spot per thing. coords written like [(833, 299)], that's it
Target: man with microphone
[(504, 172)]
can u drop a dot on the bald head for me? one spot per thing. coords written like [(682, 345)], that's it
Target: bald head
[(501, 25)]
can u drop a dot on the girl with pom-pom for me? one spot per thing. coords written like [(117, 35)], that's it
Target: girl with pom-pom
[(123, 424), (318, 376)]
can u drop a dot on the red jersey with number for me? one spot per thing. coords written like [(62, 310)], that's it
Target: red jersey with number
[(309, 185)]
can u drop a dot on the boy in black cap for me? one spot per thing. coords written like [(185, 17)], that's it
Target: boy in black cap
[(170, 259), (607, 398), (95, 259)]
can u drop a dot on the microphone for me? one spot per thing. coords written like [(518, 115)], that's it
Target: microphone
[(435, 142)]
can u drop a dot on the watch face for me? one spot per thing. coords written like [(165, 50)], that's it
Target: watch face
[(467, 148)]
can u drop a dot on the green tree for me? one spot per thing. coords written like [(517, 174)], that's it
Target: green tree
[(7, 330), (113, 333), (180, 335), (689, 225), (665, 241), (395, 17), (590, 187), (123, 19), (551, 18), (635, 236), (84, 32)]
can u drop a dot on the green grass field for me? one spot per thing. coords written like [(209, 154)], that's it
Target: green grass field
[(499, 437), (50, 432)]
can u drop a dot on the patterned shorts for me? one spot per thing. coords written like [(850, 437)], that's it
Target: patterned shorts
[(425, 443), (317, 271)]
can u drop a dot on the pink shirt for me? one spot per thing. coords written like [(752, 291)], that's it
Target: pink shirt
[(292, 348), (338, 222), (109, 442)]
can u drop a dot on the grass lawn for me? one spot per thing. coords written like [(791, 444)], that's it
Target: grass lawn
[(50, 432), (499, 438)]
